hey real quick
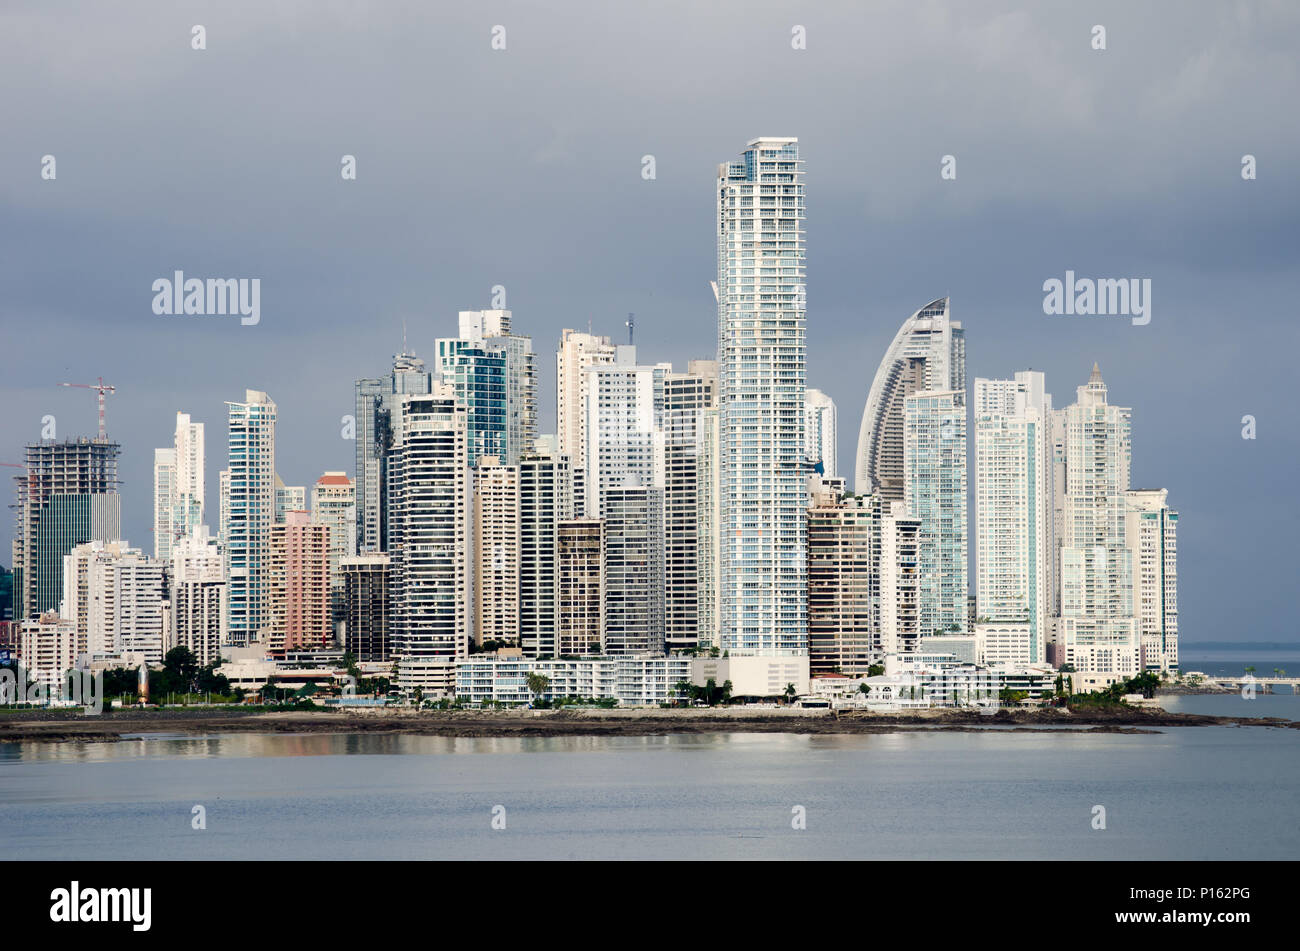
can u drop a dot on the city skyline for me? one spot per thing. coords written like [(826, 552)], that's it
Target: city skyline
[(1213, 244)]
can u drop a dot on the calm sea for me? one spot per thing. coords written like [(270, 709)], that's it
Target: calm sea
[(1184, 793)]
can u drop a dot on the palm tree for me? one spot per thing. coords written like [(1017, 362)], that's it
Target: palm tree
[(790, 693)]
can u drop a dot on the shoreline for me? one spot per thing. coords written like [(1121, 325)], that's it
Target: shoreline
[(42, 727)]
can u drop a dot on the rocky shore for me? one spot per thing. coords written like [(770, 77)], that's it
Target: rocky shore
[(60, 726)]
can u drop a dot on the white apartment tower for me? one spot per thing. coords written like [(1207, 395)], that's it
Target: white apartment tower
[(430, 539), (577, 352), (198, 597), (624, 404), (1014, 510), (1097, 631), (762, 360), (687, 396), (1151, 530), (546, 498), (248, 507), (820, 427), (178, 486)]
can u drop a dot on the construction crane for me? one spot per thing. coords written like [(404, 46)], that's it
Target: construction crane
[(101, 387)]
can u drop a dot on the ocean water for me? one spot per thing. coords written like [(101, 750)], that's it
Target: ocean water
[(1184, 793)]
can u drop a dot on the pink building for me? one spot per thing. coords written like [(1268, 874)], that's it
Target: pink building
[(299, 576)]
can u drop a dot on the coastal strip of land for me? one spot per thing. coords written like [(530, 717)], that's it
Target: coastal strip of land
[(54, 726)]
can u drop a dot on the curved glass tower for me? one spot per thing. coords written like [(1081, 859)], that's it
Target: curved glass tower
[(927, 353)]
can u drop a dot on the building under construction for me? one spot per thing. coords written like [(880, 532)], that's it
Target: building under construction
[(67, 496)]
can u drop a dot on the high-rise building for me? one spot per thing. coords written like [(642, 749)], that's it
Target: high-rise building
[(288, 498), (198, 597), (577, 352), (298, 584), (633, 570), (82, 599), (934, 484), (624, 428), (67, 496), (367, 609), (128, 605), (899, 617), (495, 380), (178, 486), (762, 361), (1014, 506), (248, 507), (863, 597), (1151, 530), (378, 406), (334, 503), (48, 649), (927, 353), (164, 494), (1097, 632), (686, 396), (708, 556), (496, 553), (843, 541), (581, 613), (430, 538), (820, 429), (546, 498)]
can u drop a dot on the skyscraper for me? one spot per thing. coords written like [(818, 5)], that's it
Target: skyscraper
[(164, 499), (633, 570), (1151, 531), (546, 498), (686, 397), (248, 502), (927, 353), (582, 590), (761, 355), (496, 553), (67, 496), (367, 609), (495, 380), (334, 503), (430, 539), (820, 431), (288, 498), (377, 418), (198, 597), (298, 585), (624, 402), (1014, 536), (1097, 633), (178, 486), (577, 351), (934, 484)]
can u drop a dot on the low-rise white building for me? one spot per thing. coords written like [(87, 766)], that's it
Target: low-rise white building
[(640, 680)]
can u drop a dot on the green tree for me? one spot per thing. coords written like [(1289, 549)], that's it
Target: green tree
[(538, 684)]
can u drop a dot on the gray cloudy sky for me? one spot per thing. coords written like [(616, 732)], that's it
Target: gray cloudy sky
[(522, 167)]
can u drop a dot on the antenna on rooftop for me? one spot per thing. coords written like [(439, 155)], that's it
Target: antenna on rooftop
[(631, 328)]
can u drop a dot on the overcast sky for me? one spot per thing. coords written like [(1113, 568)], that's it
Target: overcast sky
[(522, 167)]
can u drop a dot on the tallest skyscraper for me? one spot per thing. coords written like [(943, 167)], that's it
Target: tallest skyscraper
[(761, 355)]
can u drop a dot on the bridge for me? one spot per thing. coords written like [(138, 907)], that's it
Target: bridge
[(1262, 684)]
